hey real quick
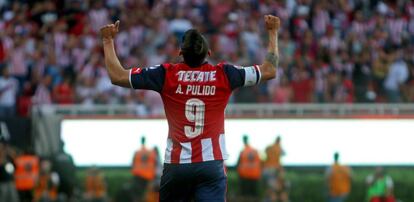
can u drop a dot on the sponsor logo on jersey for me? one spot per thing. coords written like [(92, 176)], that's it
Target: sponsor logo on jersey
[(196, 76)]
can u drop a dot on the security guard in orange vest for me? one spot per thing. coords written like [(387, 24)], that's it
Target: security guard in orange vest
[(26, 175), (249, 169), (143, 169), (339, 180)]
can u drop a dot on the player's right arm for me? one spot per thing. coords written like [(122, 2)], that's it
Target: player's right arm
[(269, 66), (151, 78), (118, 75)]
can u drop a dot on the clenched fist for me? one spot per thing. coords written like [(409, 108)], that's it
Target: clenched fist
[(109, 31), (272, 22)]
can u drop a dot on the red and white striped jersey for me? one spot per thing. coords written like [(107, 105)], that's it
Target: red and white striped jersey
[(194, 103)]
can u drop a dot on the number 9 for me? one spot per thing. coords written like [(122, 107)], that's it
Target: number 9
[(194, 112)]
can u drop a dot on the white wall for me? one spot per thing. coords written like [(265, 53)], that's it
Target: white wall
[(305, 141)]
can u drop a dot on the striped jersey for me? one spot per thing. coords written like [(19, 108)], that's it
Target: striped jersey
[(194, 100)]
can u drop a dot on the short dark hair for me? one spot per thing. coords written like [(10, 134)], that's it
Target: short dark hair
[(245, 139), (336, 156), (194, 48), (143, 140)]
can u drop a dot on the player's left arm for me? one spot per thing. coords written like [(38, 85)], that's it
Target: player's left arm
[(118, 75), (271, 63), (253, 75)]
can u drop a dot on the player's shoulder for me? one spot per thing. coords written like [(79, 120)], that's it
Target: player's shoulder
[(226, 65), (167, 65), (206, 65)]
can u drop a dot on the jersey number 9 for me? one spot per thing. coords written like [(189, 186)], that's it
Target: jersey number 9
[(194, 112)]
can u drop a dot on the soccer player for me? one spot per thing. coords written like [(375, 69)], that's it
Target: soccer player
[(195, 94)]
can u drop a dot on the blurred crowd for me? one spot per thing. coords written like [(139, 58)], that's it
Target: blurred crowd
[(331, 51)]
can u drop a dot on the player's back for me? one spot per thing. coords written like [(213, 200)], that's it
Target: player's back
[(194, 101)]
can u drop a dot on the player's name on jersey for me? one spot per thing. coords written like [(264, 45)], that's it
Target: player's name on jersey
[(196, 76), (196, 90)]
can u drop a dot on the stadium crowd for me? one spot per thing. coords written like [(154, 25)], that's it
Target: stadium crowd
[(331, 51)]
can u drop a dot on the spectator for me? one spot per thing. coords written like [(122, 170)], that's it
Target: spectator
[(143, 170), (249, 170), (42, 95), (380, 187), (95, 186), (339, 181), (282, 93), (397, 74), (17, 59), (8, 190), (302, 84), (26, 175), (46, 189), (8, 92), (64, 166), (24, 101), (341, 89), (380, 70), (409, 86), (362, 77), (63, 92)]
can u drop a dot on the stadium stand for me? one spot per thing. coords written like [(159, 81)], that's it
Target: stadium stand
[(339, 59), (332, 51)]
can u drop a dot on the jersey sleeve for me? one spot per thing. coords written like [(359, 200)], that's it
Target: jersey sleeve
[(242, 76), (150, 78)]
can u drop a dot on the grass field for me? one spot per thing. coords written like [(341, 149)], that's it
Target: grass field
[(307, 183)]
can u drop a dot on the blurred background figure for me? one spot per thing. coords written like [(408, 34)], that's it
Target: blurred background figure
[(339, 181), (154, 186), (46, 189), (144, 170), (26, 175), (272, 166), (95, 186), (281, 192), (398, 74), (9, 87), (8, 190), (249, 169), (380, 187), (64, 166)]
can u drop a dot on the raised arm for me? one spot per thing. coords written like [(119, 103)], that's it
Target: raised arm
[(118, 75), (268, 68)]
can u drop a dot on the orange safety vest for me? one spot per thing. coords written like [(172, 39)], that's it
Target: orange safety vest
[(95, 185), (273, 154), (27, 172), (144, 164), (249, 164), (45, 188), (339, 180)]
